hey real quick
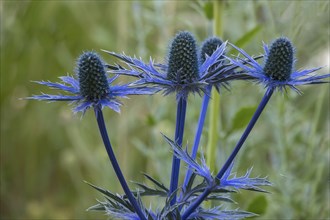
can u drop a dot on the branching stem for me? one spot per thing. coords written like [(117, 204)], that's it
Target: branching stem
[(231, 158), (199, 131)]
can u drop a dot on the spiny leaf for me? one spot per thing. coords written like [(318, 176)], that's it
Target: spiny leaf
[(201, 170), (147, 191), (159, 184), (220, 198), (217, 213), (191, 181), (110, 195), (97, 207)]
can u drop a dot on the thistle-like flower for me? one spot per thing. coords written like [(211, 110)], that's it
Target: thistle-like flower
[(184, 73), (276, 73), (278, 70), (209, 46), (183, 62), (91, 87)]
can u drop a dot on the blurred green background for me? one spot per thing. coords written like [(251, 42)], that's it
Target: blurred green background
[(47, 152)]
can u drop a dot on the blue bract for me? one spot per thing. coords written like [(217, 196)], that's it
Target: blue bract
[(278, 71), (179, 75), (93, 88)]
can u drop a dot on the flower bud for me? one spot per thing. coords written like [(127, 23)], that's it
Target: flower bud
[(208, 47)]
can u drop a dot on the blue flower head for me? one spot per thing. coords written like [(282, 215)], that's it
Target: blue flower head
[(208, 47), (279, 60), (278, 70), (183, 61), (182, 74), (92, 77), (92, 88)]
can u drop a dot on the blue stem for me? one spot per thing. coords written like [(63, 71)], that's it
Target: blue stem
[(115, 165), (231, 158), (199, 131), (180, 119), (247, 131)]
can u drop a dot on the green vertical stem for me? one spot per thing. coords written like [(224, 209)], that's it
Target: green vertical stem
[(218, 6)]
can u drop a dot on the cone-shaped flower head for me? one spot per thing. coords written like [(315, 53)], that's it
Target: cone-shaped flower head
[(93, 88), (209, 46), (183, 61), (93, 81), (279, 61), (278, 71)]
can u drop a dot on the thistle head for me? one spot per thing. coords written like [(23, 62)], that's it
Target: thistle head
[(280, 59), (92, 76), (183, 61), (208, 47)]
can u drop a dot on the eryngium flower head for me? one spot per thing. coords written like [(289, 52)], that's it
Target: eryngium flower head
[(208, 47), (279, 61), (92, 88), (92, 77), (182, 74), (278, 70), (183, 61)]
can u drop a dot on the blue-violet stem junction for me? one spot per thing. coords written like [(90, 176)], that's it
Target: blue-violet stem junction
[(231, 158), (247, 131), (199, 131)]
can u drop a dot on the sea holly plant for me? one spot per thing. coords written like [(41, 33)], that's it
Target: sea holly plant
[(188, 70), (183, 74), (92, 88), (276, 73)]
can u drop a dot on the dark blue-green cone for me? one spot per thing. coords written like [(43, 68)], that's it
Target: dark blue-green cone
[(208, 47), (92, 77), (183, 60), (279, 62)]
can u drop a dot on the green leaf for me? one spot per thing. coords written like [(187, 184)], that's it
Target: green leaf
[(258, 205), (208, 10), (242, 118), (248, 36)]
